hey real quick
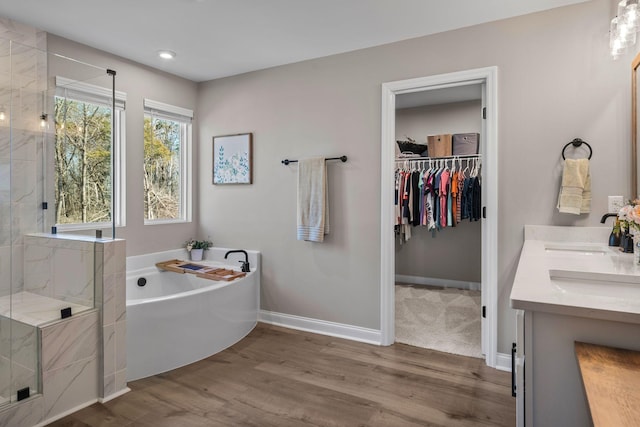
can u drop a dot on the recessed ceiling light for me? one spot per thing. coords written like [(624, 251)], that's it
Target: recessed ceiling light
[(166, 54)]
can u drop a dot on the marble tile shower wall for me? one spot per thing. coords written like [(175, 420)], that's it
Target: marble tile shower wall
[(111, 296), (70, 363), (22, 82), (60, 268), (24, 346)]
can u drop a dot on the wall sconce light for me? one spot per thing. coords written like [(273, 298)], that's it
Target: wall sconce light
[(43, 120), (2, 115), (623, 28)]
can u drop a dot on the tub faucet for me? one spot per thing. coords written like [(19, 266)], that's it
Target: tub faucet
[(607, 215), (245, 264)]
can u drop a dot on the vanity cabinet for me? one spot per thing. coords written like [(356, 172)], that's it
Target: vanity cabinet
[(553, 312), (551, 392)]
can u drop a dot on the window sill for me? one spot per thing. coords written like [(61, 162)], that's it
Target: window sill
[(85, 227), (165, 221)]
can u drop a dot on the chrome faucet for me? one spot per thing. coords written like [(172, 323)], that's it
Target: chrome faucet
[(245, 264)]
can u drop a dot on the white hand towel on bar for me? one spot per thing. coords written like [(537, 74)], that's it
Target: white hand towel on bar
[(313, 200), (575, 190)]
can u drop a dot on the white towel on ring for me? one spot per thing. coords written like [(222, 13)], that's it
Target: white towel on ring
[(575, 189), (313, 200)]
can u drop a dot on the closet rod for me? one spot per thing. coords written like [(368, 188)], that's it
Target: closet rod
[(460, 156), (342, 158)]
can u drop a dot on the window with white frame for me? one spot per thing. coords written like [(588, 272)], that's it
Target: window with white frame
[(167, 163), (84, 180)]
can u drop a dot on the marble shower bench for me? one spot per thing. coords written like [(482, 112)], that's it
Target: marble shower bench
[(36, 310), (82, 358), (23, 317)]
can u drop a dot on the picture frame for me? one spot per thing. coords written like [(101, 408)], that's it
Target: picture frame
[(233, 159)]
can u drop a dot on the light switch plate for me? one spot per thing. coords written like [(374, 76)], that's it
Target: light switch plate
[(615, 203)]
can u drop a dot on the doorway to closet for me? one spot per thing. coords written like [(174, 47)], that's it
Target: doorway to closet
[(440, 104), (438, 236)]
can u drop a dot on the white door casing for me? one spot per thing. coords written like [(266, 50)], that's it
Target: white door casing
[(487, 77)]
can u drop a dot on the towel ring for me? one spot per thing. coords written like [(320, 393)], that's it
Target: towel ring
[(577, 142)]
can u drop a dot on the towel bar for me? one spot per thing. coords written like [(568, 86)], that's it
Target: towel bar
[(342, 158)]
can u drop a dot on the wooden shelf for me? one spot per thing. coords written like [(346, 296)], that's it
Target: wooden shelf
[(611, 378), (200, 270)]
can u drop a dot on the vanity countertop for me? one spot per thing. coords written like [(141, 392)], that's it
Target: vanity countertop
[(572, 271)]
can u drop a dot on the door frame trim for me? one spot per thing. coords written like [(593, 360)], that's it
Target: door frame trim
[(488, 77)]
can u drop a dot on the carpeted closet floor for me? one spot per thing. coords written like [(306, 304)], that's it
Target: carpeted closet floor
[(441, 319)]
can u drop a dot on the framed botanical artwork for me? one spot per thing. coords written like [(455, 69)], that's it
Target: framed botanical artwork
[(232, 158)]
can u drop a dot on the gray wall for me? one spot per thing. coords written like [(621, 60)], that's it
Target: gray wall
[(556, 82), (138, 82), (454, 253), (454, 117)]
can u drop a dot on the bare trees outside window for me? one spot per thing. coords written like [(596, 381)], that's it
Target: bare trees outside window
[(162, 168), (82, 162)]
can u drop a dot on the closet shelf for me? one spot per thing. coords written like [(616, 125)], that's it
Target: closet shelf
[(460, 156)]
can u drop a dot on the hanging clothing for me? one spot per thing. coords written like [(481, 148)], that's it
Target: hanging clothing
[(466, 199), (436, 198), (444, 194), (476, 202), (454, 198), (429, 192), (415, 194), (460, 196)]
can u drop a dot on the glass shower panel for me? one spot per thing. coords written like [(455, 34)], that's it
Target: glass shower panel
[(81, 155), (78, 172), (25, 87), (5, 220), (53, 272)]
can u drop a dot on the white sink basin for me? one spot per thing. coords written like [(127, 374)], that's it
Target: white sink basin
[(577, 249), (599, 284)]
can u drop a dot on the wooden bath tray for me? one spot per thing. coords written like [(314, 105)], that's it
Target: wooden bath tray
[(200, 270)]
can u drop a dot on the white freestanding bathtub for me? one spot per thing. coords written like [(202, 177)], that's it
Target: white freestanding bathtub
[(176, 319)]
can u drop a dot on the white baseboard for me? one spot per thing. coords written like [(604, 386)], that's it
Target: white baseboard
[(444, 283), (503, 362), (323, 327)]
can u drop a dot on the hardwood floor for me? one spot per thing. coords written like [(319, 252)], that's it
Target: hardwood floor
[(282, 377)]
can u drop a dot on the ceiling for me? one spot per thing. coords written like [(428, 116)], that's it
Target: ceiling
[(218, 38), (423, 98)]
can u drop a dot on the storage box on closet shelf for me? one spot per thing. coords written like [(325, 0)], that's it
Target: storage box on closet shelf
[(457, 144), (410, 149), (439, 145), (465, 144), (445, 145)]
